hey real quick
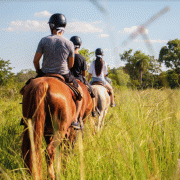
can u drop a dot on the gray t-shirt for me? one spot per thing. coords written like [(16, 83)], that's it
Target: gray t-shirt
[(56, 50)]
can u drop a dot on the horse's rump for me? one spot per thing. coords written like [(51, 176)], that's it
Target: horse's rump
[(102, 103), (49, 92), (75, 92), (102, 96), (102, 84)]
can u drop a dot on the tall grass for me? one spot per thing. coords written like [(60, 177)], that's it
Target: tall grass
[(11, 163), (140, 140)]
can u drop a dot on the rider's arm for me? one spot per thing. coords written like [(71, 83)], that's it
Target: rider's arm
[(70, 62), (83, 67), (37, 58), (89, 77)]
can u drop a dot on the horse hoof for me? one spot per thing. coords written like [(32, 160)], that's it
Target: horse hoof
[(22, 122), (113, 105), (93, 114)]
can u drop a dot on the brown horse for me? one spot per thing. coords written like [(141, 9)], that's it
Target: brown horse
[(49, 105)]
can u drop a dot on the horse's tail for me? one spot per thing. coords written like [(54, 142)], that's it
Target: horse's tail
[(34, 100)]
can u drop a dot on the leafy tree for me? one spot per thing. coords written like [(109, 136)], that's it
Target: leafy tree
[(5, 72), (25, 74), (172, 78), (167, 79), (130, 64), (154, 66), (141, 68), (136, 64), (142, 63), (88, 55), (118, 77), (170, 54)]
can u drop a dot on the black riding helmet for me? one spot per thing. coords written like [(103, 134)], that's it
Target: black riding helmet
[(76, 41), (99, 51), (57, 20)]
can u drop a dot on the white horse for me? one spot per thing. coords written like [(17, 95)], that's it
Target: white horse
[(102, 103)]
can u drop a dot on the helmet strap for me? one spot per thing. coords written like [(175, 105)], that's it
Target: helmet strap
[(99, 56), (77, 46), (60, 29)]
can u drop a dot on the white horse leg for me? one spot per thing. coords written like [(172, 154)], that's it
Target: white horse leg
[(98, 126), (102, 124), (100, 118)]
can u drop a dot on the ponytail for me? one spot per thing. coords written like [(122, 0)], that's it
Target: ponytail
[(98, 65)]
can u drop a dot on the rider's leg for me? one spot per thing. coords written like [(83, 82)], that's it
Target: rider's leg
[(112, 94), (71, 79), (78, 104), (76, 123), (94, 101), (90, 89)]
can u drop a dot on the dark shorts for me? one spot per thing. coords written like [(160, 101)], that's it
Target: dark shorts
[(69, 78)]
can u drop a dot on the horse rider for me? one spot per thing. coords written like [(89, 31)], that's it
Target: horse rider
[(98, 70), (80, 67), (58, 56)]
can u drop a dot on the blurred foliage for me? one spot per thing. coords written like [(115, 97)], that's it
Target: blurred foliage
[(87, 54), (140, 68), (119, 77), (25, 74), (169, 79), (5, 72)]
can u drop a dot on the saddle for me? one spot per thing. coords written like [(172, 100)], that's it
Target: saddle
[(75, 92), (98, 83), (58, 76), (102, 84)]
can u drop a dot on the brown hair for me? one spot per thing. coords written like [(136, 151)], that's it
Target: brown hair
[(98, 65)]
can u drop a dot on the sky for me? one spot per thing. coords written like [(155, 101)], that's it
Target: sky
[(100, 24)]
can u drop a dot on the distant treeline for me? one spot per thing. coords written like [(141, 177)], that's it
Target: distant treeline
[(141, 71)]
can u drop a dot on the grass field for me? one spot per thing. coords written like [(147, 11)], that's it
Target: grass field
[(140, 139)]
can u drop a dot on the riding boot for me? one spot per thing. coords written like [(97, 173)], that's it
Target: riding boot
[(112, 101), (94, 106), (75, 124)]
